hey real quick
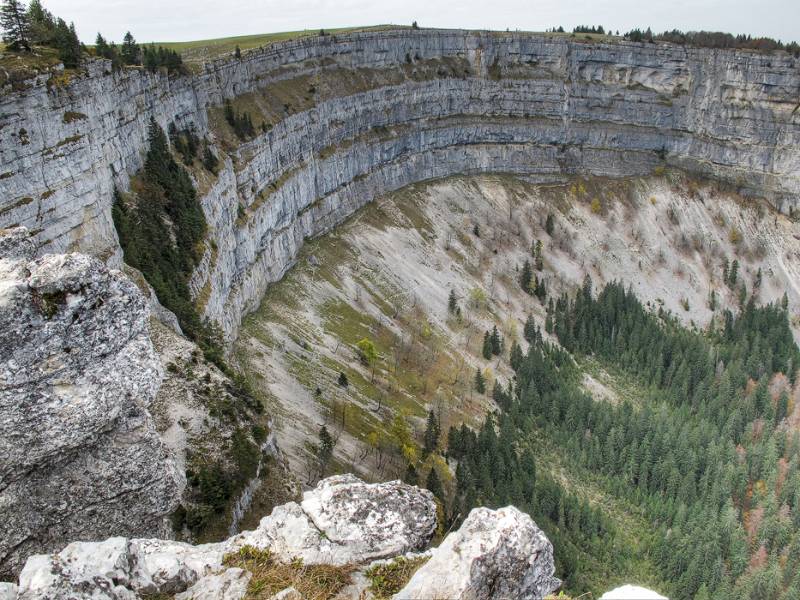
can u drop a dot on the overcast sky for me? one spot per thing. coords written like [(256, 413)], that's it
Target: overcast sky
[(178, 20)]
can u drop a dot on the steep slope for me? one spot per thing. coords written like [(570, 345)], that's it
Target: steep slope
[(387, 273)]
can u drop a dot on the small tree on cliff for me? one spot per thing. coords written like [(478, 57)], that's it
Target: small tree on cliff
[(16, 25)]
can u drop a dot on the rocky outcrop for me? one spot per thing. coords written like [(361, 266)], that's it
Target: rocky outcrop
[(495, 554), (535, 105), (343, 521), (79, 454)]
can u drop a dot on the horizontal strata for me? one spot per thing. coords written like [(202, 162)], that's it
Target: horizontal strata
[(534, 105)]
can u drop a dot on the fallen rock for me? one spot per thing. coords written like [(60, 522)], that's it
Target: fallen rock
[(80, 457), (495, 554), (346, 521), (289, 593)]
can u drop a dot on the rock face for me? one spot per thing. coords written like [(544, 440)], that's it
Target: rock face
[(535, 105), (495, 554), (79, 455), (348, 522)]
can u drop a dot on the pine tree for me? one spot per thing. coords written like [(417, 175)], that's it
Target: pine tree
[(487, 346), (434, 484), (497, 342), (526, 278), (549, 224), (324, 448), (431, 438), (452, 302), (42, 24), (343, 382), (480, 382), (785, 301), (237, 53), (130, 52), (15, 23), (734, 273), (476, 230)]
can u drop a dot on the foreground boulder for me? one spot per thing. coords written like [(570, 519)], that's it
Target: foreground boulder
[(495, 554), (79, 455), (342, 521)]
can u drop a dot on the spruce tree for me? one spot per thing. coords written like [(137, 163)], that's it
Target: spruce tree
[(237, 53), (526, 278), (434, 484), (480, 382), (431, 438), (496, 341), (452, 302), (487, 346), (15, 23), (130, 51), (549, 224)]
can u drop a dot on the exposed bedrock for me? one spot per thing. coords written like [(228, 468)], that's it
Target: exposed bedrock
[(535, 105), (79, 453)]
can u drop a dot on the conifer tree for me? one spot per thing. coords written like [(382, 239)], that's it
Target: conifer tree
[(526, 278), (411, 477), (130, 51), (549, 224), (496, 341), (432, 431), (434, 484), (452, 302), (487, 346), (15, 23), (480, 382)]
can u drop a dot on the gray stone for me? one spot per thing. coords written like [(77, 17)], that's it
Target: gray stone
[(79, 455), (495, 554)]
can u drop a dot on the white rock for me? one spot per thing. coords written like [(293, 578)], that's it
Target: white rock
[(8, 591), (632, 592), (346, 521), (359, 522), (289, 593), (495, 554), (231, 584)]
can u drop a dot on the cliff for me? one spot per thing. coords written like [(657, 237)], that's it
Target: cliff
[(372, 112), (79, 452)]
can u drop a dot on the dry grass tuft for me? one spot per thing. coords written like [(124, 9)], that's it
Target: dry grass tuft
[(314, 582), (389, 578)]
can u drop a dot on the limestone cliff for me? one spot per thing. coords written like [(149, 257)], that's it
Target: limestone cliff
[(79, 452), (427, 104)]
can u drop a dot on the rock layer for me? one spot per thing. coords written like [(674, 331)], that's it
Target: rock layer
[(535, 105), (79, 454)]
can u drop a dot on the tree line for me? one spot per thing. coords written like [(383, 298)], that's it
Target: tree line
[(24, 28)]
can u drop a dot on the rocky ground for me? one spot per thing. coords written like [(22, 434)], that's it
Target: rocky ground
[(344, 528)]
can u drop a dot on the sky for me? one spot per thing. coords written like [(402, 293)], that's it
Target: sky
[(181, 20)]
